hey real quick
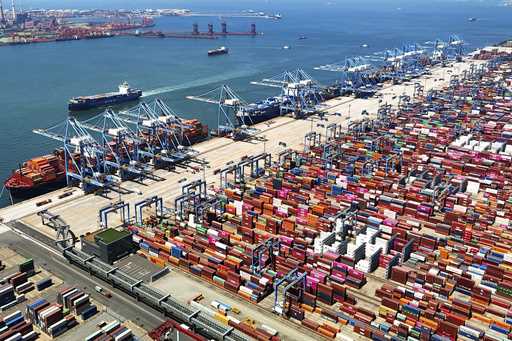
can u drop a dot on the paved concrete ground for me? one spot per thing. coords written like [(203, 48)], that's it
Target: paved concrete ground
[(184, 286), (86, 328), (138, 267)]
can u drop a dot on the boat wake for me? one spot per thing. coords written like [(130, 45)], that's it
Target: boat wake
[(198, 82)]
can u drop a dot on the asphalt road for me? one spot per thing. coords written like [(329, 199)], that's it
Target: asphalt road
[(38, 247)]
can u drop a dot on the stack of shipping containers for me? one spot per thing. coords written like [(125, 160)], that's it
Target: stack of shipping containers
[(428, 203)]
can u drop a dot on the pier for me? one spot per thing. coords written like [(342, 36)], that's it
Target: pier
[(196, 33)]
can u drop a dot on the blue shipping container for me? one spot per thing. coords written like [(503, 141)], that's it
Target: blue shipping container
[(89, 312)]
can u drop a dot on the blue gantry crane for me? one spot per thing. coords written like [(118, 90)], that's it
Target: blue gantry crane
[(165, 113), (123, 146), (442, 51), (301, 94), (439, 52), (456, 47), (264, 254), (357, 76), (155, 201), (405, 63), (85, 158), (162, 131), (295, 282), (231, 120), (120, 207)]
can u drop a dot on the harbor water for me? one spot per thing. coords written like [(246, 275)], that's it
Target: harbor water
[(37, 80)]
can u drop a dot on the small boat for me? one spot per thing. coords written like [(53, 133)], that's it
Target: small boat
[(303, 38), (286, 47), (364, 45), (220, 50), (472, 19)]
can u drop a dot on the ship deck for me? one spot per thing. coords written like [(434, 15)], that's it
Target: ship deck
[(81, 211), (104, 95)]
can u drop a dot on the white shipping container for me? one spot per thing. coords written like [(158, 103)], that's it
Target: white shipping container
[(124, 335), (15, 337), (246, 290), (110, 326), (454, 269), (57, 325)]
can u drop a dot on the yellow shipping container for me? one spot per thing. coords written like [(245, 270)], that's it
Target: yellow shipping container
[(221, 318)]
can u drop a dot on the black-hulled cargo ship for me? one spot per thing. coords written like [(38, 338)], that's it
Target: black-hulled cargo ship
[(125, 94), (260, 111)]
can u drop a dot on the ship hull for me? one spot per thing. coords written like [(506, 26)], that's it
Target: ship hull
[(218, 52), (258, 117), (101, 102), (23, 193), (211, 54)]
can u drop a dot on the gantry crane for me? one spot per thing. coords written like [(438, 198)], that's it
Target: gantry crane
[(85, 158), (357, 76), (123, 145), (232, 120), (456, 47), (301, 94), (162, 131)]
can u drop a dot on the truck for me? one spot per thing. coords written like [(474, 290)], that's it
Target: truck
[(102, 291)]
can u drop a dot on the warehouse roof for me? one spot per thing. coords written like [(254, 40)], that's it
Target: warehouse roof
[(109, 236)]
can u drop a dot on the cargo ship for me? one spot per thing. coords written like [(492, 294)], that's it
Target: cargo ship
[(220, 50), (194, 131), (260, 111), (38, 176), (125, 94)]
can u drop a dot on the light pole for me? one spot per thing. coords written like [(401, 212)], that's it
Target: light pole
[(284, 145), (205, 165), (320, 125)]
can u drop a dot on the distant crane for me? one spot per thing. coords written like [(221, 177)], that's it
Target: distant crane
[(2, 15), (452, 49), (301, 93), (405, 63), (456, 45), (439, 54), (356, 75), (13, 13)]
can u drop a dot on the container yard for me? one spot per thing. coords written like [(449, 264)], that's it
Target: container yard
[(381, 218), (397, 227)]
